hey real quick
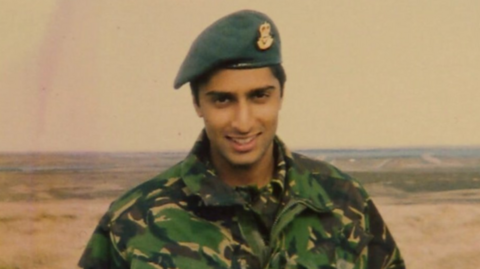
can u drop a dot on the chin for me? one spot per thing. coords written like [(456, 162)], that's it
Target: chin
[(242, 161)]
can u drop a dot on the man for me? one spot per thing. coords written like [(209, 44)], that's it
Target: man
[(241, 199)]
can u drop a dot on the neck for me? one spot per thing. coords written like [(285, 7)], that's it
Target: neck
[(258, 173)]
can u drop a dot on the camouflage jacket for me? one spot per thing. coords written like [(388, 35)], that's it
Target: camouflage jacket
[(187, 218)]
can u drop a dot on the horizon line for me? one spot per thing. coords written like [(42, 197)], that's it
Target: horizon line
[(442, 147)]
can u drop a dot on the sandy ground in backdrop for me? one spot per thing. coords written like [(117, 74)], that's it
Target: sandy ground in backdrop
[(52, 234)]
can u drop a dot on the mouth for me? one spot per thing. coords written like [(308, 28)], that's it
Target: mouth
[(242, 141), (243, 144)]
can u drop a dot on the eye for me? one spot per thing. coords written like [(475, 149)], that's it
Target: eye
[(261, 95), (221, 99)]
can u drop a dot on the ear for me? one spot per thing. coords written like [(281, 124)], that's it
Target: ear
[(197, 107)]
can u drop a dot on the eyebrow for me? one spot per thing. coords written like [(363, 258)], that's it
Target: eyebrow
[(261, 89), (226, 93), (218, 93)]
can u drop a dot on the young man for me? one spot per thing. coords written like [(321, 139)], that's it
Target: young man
[(241, 199)]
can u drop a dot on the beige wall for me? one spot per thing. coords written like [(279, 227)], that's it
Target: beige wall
[(83, 75)]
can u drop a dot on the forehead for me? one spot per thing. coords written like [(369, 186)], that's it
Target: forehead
[(238, 80)]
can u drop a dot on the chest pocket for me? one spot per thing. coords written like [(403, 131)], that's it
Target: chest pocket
[(344, 248), (154, 262), (351, 251)]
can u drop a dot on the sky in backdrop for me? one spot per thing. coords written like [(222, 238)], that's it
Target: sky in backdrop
[(98, 75)]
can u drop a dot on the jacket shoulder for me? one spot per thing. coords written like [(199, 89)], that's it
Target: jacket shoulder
[(308, 164), (339, 186), (165, 184)]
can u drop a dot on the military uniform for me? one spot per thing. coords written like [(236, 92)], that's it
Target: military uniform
[(309, 215), (188, 218)]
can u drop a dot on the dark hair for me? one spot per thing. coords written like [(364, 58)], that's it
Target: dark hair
[(277, 71)]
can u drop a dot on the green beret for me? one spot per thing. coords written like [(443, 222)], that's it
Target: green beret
[(244, 39)]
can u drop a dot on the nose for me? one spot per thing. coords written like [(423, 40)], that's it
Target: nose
[(243, 118)]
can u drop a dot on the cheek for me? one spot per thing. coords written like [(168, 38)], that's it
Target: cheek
[(268, 113), (216, 119)]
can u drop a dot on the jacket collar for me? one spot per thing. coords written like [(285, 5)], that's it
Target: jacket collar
[(304, 184), (300, 184), (200, 178)]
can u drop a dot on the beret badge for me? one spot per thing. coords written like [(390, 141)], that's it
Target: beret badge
[(265, 40)]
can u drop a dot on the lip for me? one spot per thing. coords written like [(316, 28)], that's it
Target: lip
[(243, 144)]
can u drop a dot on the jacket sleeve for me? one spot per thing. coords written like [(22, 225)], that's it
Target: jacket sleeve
[(383, 252), (100, 252)]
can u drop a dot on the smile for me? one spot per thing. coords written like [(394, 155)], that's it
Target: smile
[(243, 141), (243, 144)]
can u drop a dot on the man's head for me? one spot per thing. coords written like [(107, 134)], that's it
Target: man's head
[(237, 82), (240, 110)]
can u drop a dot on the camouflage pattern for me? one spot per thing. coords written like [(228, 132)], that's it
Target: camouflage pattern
[(188, 218)]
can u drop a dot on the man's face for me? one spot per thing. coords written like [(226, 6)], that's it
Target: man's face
[(240, 109)]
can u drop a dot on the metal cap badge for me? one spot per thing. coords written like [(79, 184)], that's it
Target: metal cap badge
[(265, 40)]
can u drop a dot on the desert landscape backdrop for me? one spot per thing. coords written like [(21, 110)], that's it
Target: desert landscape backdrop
[(50, 202), (97, 76)]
